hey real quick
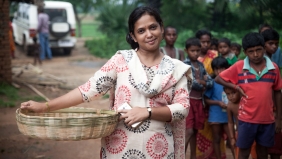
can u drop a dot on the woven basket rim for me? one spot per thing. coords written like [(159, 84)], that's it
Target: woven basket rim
[(102, 111)]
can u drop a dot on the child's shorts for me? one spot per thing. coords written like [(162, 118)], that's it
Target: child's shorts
[(277, 148), (263, 134), (196, 116)]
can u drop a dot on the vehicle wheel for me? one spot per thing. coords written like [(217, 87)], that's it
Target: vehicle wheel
[(67, 51)]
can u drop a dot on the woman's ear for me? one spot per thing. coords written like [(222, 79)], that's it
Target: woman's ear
[(133, 37)]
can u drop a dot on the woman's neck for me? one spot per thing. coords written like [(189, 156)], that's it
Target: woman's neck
[(150, 58)]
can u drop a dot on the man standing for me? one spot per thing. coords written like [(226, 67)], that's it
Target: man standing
[(43, 31)]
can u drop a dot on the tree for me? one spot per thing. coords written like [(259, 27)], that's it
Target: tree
[(81, 6)]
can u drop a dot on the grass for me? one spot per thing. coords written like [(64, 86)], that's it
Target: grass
[(90, 30), (9, 96)]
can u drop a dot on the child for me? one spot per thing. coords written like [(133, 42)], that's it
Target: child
[(256, 78), (170, 36), (277, 56), (36, 51), (214, 44), (232, 111), (224, 45), (271, 39), (236, 49), (201, 81), (217, 100)]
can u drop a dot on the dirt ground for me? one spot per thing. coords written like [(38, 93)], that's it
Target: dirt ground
[(75, 69)]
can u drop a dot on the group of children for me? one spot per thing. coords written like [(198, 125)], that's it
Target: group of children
[(242, 97)]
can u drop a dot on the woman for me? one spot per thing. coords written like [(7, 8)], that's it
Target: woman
[(153, 84)]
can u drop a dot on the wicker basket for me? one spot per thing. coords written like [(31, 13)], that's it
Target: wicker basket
[(67, 124)]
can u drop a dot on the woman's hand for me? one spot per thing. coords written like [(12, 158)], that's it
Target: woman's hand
[(34, 106), (134, 115)]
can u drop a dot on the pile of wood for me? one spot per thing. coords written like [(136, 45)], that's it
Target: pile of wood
[(31, 75)]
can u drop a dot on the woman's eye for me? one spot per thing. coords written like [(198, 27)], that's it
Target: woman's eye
[(140, 31), (153, 27)]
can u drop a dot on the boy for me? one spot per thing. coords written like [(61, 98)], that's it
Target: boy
[(224, 45), (217, 101), (236, 49), (271, 39), (232, 111), (256, 78), (170, 36), (201, 81), (277, 56)]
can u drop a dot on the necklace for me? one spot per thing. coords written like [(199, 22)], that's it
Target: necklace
[(258, 70)]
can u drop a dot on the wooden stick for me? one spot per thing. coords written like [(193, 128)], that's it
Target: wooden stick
[(37, 91)]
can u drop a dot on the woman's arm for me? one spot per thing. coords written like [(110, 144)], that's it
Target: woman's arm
[(99, 84), (70, 99), (178, 110)]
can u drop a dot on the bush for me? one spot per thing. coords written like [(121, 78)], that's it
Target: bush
[(107, 46)]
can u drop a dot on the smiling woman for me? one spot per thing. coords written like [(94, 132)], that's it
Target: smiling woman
[(151, 83)]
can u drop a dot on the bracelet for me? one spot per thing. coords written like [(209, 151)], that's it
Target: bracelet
[(47, 107), (236, 87)]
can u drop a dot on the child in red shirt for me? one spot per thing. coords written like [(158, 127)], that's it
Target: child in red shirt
[(257, 79)]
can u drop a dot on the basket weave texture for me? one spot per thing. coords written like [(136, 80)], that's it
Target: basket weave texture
[(67, 124)]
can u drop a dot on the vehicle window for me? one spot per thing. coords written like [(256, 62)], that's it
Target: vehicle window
[(54, 13)]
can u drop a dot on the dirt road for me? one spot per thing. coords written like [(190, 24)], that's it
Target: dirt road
[(75, 69)]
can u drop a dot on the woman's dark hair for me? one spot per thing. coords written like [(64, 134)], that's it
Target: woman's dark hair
[(252, 40), (225, 40), (202, 32), (192, 42), (135, 15), (219, 62), (270, 34), (265, 25)]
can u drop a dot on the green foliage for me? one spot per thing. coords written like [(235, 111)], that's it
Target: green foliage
[(91, 30), (9, 96), (107, 46)]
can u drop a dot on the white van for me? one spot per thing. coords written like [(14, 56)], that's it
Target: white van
[(61, 25)]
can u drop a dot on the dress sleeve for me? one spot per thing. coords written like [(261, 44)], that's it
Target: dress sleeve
[(102, 81), (230, 74), (180, 103)]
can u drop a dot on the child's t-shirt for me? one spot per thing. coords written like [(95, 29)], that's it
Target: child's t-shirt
[(231, 58), (258, 107), (216, 113)]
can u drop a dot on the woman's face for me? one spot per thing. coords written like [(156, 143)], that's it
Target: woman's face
[(147, 33)]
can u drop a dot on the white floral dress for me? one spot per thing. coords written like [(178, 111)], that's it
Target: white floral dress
[(162, 85)]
